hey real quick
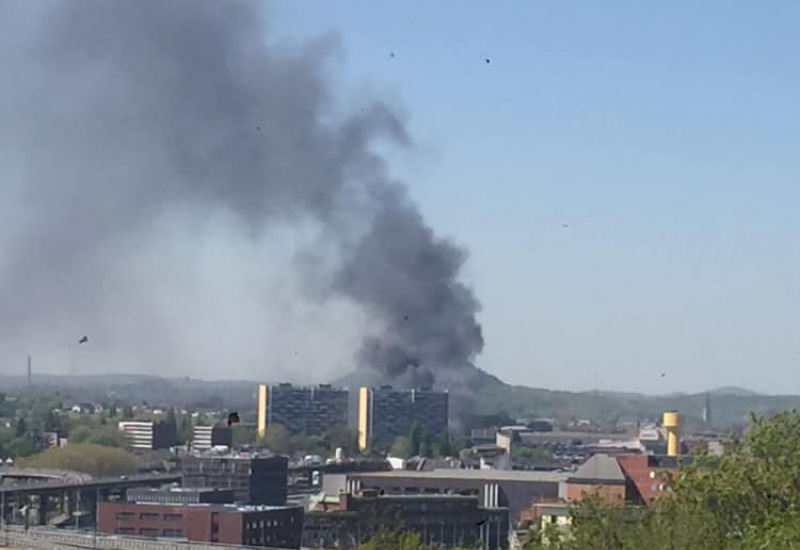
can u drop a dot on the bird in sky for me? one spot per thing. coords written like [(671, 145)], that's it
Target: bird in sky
[(84, 339)]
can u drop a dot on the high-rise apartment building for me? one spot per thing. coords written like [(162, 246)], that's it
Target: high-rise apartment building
[(384, 413), (301, 410)]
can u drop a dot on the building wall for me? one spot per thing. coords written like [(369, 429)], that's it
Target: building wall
[(388, 413), (268, 527), (439, 520), (253, 480), (516, 495), (609, 493), (644, 478), (303, 410)]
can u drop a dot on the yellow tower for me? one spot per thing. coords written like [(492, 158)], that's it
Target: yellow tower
[(363, 418), (261, 419), (672, 423)]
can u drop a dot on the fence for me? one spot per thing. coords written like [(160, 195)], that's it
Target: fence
[(60, 539)]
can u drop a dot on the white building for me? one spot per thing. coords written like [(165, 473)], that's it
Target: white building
[(138, 434)]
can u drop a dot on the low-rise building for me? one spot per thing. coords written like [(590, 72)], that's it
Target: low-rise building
[(254, 478), (512, 489), (148, 436), (601, 476), (180, 495), (446, 520), (206, 437), (272, 526)]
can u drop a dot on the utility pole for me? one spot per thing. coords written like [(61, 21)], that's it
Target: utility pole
[(30, 372)]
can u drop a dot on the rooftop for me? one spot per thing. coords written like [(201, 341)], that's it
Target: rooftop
[(217, 507), (599, 467), (488, 475)]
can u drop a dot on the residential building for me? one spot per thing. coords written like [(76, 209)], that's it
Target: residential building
[(302, 410), (180, 495), (384, 413), (147, 435), (206, 437), (446, 520), (272, 526), (254, 478)]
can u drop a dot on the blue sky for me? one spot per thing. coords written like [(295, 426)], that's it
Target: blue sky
[(662, 134)]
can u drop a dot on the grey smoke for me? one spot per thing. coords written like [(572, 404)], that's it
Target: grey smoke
[(119, 115)]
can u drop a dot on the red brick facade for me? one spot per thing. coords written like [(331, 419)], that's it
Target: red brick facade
[(228, 524)]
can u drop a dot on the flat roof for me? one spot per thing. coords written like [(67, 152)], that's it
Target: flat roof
[(211, 506), (454, 473)]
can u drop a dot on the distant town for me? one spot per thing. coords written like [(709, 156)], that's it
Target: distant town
[(318, 467)]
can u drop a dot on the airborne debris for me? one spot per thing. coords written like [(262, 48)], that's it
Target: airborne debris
[(83, 339)]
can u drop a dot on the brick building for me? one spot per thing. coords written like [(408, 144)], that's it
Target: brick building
[(446, 520), (600, 475), (647, 476), (254, 479), (273, 526)]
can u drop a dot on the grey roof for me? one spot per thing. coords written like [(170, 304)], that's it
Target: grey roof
[(487, 475), (599, 467)]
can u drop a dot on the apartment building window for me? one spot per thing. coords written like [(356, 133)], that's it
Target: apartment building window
[(150, 516), (173, 517), (148, 532), (124, 515), (173, 532), (125, 530)]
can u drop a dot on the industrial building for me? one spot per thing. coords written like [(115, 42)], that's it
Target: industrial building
[(254, 478), (384, 413), (148, 436), (180, 495), (511, 489), (344, 521), (301, 410), (273, 526), (206, 437)]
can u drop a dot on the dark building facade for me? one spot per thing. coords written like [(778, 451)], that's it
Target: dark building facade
[(445, 520), (512, 489), (303, 410), (385, 413), (206, 437), (276, 527), (254, 479), (179, 495)]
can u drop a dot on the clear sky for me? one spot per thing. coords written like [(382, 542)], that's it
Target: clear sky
[(663, 135)]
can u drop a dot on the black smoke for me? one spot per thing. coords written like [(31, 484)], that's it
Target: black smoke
[(118, 115)]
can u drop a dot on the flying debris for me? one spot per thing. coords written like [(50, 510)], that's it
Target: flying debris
[(488, 60), (391, 54), (84, 339), (663, 375), (233, 418)]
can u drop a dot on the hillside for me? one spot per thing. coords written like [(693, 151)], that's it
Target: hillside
[(474, 393)]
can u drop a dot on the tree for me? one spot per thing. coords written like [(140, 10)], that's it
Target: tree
[(401, 448), (749, 498), (443, 446), (185, 429), (112, 411), (22, 427), (92, 459), (20, 447), (277, 439), (426, 445), (127, 412), (415, 439)]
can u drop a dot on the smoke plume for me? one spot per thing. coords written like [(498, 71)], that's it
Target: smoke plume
[(122, 121)]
